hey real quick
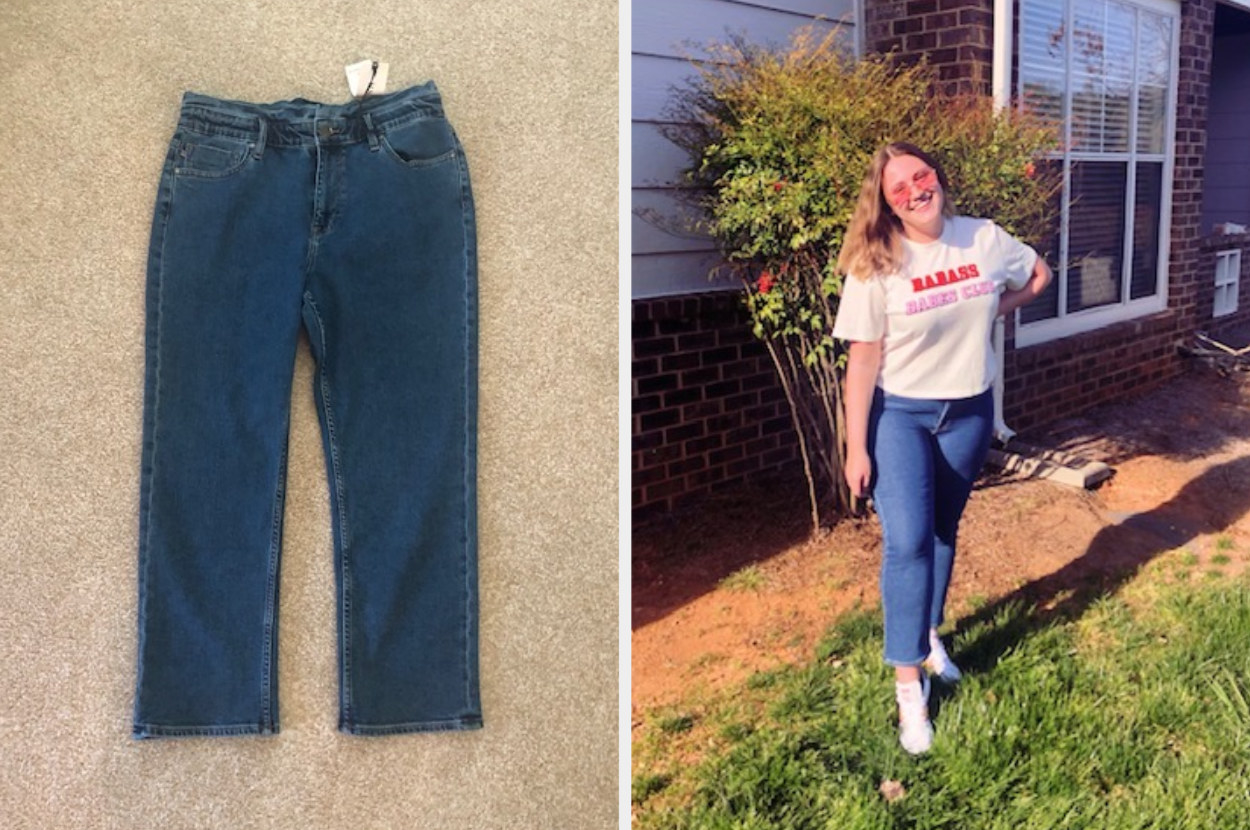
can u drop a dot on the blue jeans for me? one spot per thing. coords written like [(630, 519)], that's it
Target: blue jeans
[(926, 455), (355, 222)]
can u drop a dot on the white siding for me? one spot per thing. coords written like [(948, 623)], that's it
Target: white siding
[(681, 27), (665, 35)]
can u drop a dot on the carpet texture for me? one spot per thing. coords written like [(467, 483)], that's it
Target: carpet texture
[(89, 97)]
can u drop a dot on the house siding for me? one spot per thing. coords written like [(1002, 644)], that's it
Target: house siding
[(1226, 197), (707, 410), (665, 36)]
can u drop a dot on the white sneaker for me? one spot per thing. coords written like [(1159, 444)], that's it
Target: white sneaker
[(915, 732), (939, 662)]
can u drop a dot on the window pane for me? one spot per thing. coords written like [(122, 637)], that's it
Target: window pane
[(1154, 49), (1105, 67), (1087, 114), (1043, 57), (1042, 35), (1046, 306), (1152, 117), (1118, 60), (1115, 128), (1089, 44), (1145, 279), (1096, 234), (1043, 95)]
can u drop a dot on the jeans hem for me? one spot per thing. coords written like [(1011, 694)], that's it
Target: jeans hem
[(143, 731), (905, 664), (453, 725)]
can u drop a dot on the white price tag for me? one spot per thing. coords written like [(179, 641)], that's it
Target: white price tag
[(366, 78)]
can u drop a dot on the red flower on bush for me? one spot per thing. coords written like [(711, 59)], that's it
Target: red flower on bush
[(1029, 170), (766, 282), (778, 185)]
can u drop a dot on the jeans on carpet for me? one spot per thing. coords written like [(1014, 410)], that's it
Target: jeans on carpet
[(356, 223)]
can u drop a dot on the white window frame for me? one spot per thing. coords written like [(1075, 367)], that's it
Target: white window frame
[(1067, 324), (1227, 282)]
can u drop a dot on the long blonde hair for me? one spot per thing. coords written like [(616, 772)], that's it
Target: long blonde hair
[(873, 243)]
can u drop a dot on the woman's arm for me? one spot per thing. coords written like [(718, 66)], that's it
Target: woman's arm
[(1011, 300), (861, 381)]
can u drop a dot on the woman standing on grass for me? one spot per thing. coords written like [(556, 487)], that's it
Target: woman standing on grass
[(918, 308)]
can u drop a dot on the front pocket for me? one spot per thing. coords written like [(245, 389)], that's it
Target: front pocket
[(421, 142), (211, 156)]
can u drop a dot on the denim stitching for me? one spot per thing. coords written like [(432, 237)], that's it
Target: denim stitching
[(419, 114), (194, 125), (340, 507), (271, 591), (210, 122), (449, 725), (416, 164), (468, 363), (145, 730), (167, 205), (207, 120), (249, 154)]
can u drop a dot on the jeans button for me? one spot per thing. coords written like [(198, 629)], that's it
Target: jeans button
[(325, 129)]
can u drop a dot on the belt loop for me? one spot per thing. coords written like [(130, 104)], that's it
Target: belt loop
[(258, 149), (372, 132)]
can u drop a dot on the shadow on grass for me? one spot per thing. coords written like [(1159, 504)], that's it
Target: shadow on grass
[(1209, 503)]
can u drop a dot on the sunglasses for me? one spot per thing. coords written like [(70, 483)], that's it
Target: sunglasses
[(900, 194)]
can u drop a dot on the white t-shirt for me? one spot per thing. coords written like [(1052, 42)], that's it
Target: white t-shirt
[(936, 315)]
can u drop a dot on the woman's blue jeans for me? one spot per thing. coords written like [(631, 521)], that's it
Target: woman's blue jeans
[(354, 222), (926, 455)]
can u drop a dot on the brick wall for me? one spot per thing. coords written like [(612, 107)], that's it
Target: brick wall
[(707, 408), (1053, 380), (956, 35), (1188, 276)]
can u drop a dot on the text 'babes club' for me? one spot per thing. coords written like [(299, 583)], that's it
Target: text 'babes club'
[(942, 279)]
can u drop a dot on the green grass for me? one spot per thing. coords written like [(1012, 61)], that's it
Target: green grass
[(750, 578), (1133, 714), (676, 724)]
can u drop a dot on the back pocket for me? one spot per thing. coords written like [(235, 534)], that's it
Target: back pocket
[(421, 142), (211, 156)]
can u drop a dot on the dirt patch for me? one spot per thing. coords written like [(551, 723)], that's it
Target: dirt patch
[(733, 585)]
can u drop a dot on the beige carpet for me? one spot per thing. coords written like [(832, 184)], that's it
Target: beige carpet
[(89, 91)]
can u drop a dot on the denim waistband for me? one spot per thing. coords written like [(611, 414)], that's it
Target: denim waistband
[(302, 122)]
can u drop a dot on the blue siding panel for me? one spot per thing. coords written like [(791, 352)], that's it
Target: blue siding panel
[(682, 29), (1226, 169), (661, 224), (665, 34), (656, 161), (654, 79), (663, 275)]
